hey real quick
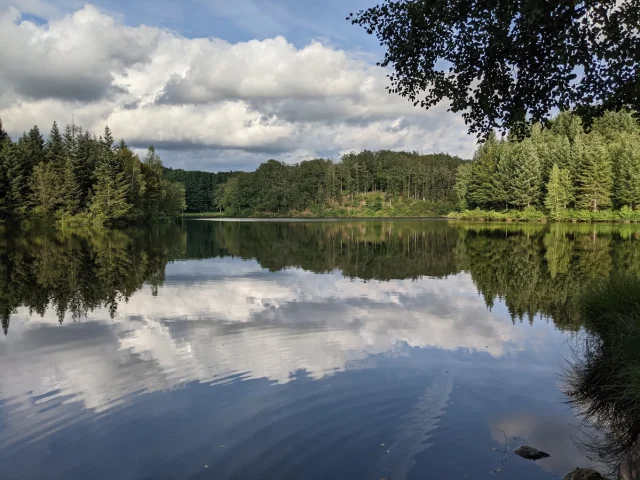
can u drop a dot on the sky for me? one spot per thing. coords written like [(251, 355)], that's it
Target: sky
[(214, 85)]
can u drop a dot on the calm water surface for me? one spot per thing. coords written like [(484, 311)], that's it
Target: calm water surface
[(293, 350)]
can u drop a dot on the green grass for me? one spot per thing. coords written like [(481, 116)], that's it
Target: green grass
[(530, 214), (603, 381)]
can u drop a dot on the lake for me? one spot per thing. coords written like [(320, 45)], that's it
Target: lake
[(295, 350)]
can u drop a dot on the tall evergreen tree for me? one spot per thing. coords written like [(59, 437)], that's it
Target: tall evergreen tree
[(152, 174), (626, 155), (503, 179), (596, 176), (46, 195), (559, 192), (17, 173), (4, 137), (463, 178), (131, 166), (109, 200), (528, 175), (483, 168)]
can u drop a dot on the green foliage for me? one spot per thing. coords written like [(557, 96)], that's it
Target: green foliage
[(466, 52), (45, 186), (109, 203), (626, 157), (527, 179), (559, 192), (79, 179), (360, 185), (603, 381), (598, 170), (200, 188), (483, 169), (595, 176)]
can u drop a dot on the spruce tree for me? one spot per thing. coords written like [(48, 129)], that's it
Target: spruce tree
[(17, 172), (626, 156), (559, 193), (461, 187), (46, 195), (483, 168), (528, 175), (595, 176), (153, 174), (4, 137), (131, 166), (109, 202), (504, 176)]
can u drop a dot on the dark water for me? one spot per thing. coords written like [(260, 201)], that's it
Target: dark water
[(341, 350)]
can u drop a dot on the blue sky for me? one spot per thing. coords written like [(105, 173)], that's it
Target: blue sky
[(238, 20), (214, 84)]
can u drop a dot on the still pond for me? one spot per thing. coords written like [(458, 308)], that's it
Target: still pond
[(296, 350)]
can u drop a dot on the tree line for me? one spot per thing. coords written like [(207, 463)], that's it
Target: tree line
[(199, 187), (372, 179), (78, 177), (560, 167)]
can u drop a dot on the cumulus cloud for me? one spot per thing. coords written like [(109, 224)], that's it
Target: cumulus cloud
[(236, 321), (264, 98)]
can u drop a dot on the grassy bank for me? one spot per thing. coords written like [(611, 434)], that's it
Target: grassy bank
[(361, 206), (624, 215), (604, 378)]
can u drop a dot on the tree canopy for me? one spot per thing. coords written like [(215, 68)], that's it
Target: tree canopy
[(503, 63), (74, 176)]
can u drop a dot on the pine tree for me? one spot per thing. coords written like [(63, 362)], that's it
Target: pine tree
[(109, 201), (483, 168), (595, 176), (5, 145), (626, 157), (461, 187), (558, 192), (568, 125), (576, 164), (46, 194), (17, 174), (70, 187), (4, 137), (54, 148), (504, 176), (152, 172), (528, 176), (131, 166)]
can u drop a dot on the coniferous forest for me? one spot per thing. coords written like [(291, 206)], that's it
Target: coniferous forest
[(563, 171), (76, 177)]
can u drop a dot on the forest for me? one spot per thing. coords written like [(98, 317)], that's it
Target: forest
[(382, 183), (74, 177), (199, 187), (563, 171)]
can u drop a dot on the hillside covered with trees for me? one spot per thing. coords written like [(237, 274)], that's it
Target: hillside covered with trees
[(199, 187), (563, 170), (368, 183), (76, 177)]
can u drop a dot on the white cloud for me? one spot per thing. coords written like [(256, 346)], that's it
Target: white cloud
[(266, 98), (237, 323)]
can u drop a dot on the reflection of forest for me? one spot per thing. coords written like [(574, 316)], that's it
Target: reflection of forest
[(534, 269), (75, 272)]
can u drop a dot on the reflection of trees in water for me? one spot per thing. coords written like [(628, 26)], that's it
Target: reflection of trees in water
[(535, 269), (76, 272), (603, 379)]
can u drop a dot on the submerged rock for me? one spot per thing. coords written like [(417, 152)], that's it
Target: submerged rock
[(583, 474), (530, 453)]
